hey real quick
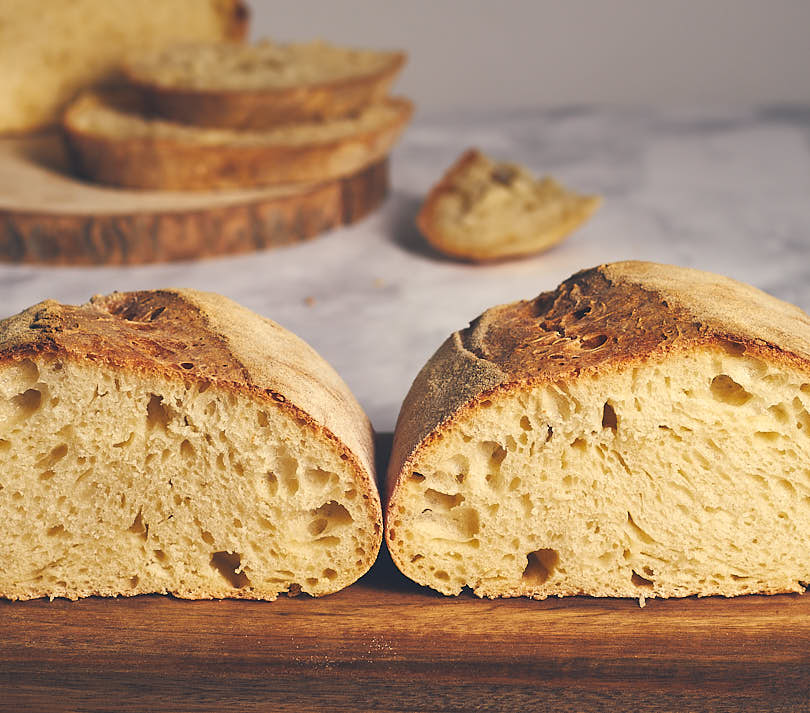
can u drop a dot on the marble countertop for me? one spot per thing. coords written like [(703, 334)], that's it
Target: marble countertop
[(721, 190)]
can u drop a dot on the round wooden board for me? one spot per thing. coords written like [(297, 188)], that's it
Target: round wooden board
[(49, 217)]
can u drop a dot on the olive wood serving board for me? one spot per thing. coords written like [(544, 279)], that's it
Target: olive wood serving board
[(48, 216)]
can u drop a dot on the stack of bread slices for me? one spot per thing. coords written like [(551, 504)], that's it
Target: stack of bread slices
[(230, 115)]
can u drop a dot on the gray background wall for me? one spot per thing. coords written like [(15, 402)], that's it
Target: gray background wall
[(512, 53)]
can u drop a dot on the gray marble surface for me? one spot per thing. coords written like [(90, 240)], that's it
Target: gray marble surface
[(721, 190)]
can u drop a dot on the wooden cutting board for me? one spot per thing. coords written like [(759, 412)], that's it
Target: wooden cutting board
[(384, 644), (49, 217)]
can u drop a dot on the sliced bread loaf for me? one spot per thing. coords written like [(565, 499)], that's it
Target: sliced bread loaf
[(641, 431), (50, 50), (113, 142), (263, 85), (173, 441), (483, 210)]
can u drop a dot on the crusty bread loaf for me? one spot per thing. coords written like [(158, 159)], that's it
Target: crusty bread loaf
[(263, 85), (641, 431), (483, 210), (173, 441), (51, 50), (112, 142)]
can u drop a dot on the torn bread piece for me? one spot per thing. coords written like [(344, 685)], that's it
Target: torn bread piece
[(172, 441), (641, 431), (482, 210), (262, 85), (113, 141)]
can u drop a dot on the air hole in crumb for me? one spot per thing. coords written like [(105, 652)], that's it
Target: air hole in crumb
[(416, 558), (640, 581), (228, 564), (186, 365), (442, 575), (28, 371), (156, 412), (317, 477), (272, 483), (640, 533), (312, 581), (594, 342), (317, 526), (540, 566), (125, 442), (728, 391), (582, 311), (160, 555), (515, 483), (579, 444), (294, 590), (56, 531), (334, 513), (133, 581), (261, 417), (442, 501), (350, 494), (609, 419), (525, 423), (27, 402), (327, 541), (417, 477), (187, 450), (46, 474), (329, 573), (549, 433), (207, 537), (495, 452), (138, 527), (4, 444)]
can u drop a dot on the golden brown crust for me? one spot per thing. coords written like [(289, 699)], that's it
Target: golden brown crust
[(256, 110), (598, 319), (185, 335), (172, 164)]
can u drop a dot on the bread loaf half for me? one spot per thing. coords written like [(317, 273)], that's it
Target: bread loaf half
[(263, 85), (112, 141), (175, 442), (49, 50), (641, 431), (484, 210)]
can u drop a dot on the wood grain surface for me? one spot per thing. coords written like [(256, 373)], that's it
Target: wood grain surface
[(49, 217)]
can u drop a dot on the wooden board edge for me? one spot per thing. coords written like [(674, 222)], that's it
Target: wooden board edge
[(139, 238)]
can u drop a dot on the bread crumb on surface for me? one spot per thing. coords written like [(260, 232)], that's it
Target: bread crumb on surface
[(483, 210)]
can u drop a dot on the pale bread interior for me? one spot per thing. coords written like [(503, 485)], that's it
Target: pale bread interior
[(682, 475), (490, 210), (264, 65), (50, 50), (119, 483), (113, 115)]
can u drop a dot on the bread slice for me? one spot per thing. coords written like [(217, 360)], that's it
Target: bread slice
[(112, 142), (263, 85), (483, 210), (641, 431), (172, 441), (50, 50)]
